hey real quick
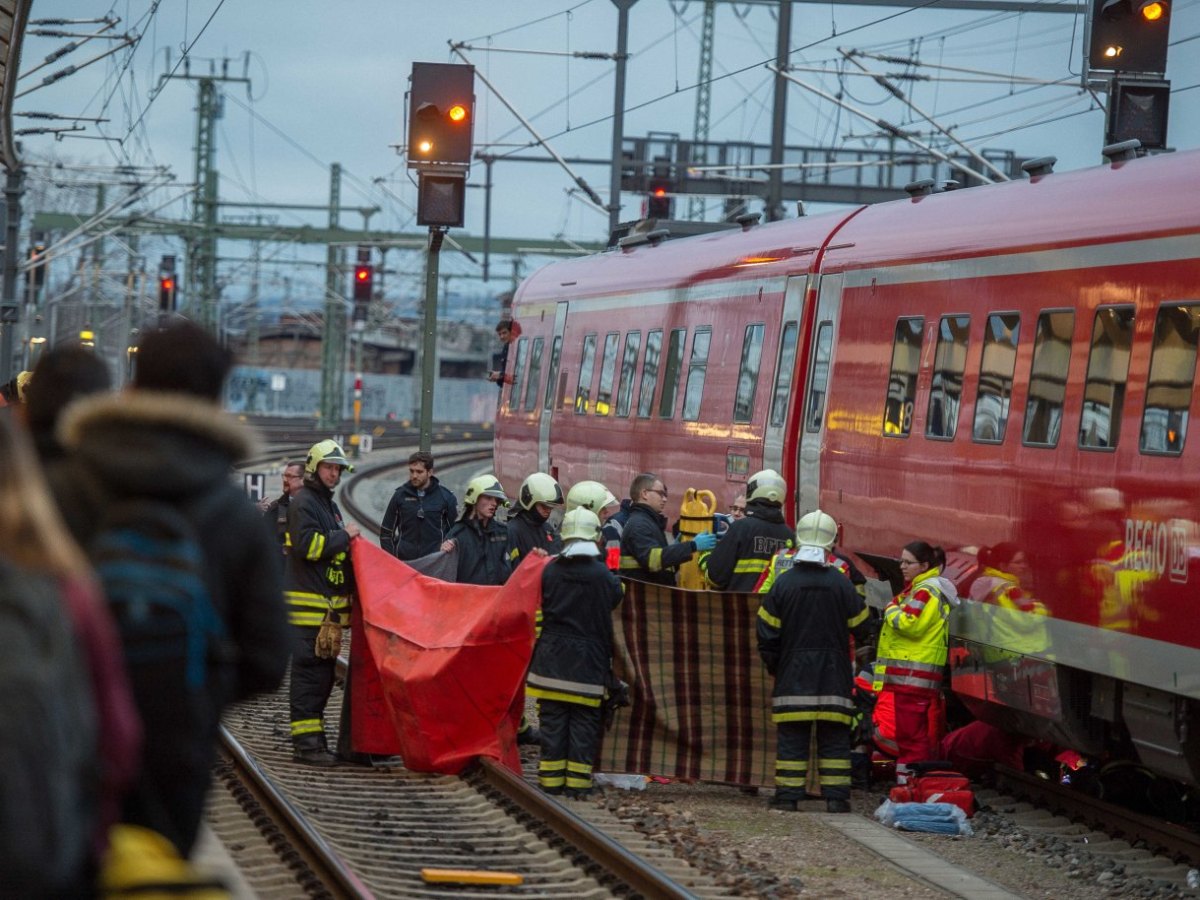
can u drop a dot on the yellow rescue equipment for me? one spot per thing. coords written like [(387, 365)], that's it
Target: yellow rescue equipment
[(695, 517)]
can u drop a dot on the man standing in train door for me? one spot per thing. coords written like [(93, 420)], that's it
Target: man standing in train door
[(420, 513), (804, 626), (318, 588), (645, 552), (745, 550)]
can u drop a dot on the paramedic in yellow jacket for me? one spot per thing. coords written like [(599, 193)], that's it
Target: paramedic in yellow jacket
[(912, 649)]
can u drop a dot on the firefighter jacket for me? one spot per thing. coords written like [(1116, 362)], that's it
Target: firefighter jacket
[(277, 513), (915, 637), (482, 551), (742, 555), (645, 553), (804, 626), (527, 531), (318, 576), (573, 655), (784, 559), (417, 521)]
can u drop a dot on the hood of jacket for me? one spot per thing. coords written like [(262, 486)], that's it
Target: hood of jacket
[(154, 443)]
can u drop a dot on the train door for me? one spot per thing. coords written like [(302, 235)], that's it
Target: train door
[(816, 390), (552, 400), (785, 365)]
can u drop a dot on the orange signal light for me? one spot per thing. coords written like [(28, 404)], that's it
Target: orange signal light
[(457, 113), (168, 284), (361, 274), (1153, 11), (660, 192)]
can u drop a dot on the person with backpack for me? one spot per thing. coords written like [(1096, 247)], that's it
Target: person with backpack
[(319, 587), (189, 567), (71, 739)]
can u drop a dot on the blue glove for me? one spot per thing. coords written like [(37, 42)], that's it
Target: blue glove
[(705, 541)]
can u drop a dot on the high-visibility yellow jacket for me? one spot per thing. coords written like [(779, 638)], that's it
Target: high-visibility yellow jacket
[(915, 636)]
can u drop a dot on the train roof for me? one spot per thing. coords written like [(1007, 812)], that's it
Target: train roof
[(1139, 198)]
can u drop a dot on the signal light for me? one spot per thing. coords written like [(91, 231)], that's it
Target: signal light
[(1129, 35), (659, 202), (166, 293), (1152, 10), (440, 120), (457, 113), (363, 282)]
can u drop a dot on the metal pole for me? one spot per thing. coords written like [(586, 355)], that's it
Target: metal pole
[(783, 42), (14, 186), (487, 216), (429, 344), (618, 135)]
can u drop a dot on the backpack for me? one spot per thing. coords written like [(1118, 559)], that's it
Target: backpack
[(48, 751), (151, 566)]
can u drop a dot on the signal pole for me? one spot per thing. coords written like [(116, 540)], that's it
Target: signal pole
[(429, 334)]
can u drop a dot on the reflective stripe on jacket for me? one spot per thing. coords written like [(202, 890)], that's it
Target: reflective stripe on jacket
[(915, 636)]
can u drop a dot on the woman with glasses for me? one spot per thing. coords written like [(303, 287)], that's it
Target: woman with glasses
[(912, 650)]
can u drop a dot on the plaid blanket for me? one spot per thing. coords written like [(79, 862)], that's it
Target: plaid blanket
[(701, 695)]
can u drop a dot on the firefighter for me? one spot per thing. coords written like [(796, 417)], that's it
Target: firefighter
[(741, 556), (804, 626), (318, 586), (913, 644), (530, 528), (482, 542), (594, 496), (645, 552), (783, 560), (573, 656)]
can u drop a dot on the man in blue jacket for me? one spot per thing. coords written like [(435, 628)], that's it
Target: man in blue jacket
[(420, 513)]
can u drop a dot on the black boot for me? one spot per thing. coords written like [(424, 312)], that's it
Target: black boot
[(311, 750)]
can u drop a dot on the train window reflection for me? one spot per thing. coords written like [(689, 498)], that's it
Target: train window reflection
[(514, 395), (1048, 378), (815, 413), (633, 346), (552, 374), (783, 375), (1108, 367), (747, 384), (608, 370), (945, 388), (587, 362), (996, 368), (1172, 373), (666, 406), (902, 383), (535, 373), (697, 366), (649, 373)]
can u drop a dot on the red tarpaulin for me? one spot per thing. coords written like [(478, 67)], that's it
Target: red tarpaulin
[(437, 670)]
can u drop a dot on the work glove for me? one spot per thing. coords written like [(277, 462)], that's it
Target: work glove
[(329, 639), (705, 541)]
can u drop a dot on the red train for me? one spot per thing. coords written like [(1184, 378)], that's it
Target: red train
[(1007, 371)]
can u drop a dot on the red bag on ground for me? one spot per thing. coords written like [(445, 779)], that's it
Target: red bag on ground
[(440, 676), (936, 787)]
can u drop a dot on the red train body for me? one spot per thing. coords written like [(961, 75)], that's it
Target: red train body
[(1004, 371)]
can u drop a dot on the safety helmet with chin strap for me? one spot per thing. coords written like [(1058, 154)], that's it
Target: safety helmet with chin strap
[(484, 486), (580, 524), (327, 451), (817, 529), (540, 488), (766, 485), (591, 495)]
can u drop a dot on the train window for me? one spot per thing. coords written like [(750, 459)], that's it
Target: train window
[(747, 384), (996, 369), (587, 362), (608, 370), (697, 365), (552, 374), (1048, 378), (783, 375), (514, 394), (1169, 385), (945, 388), (815, 414), (633, 346), (649, 373), (535, 373), (666, 406), (1108, 367), (902, 383)]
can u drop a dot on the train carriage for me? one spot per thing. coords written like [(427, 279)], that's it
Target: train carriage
[(1011, 365)]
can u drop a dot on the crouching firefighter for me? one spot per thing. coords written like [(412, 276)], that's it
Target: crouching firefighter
[(572, 659), (318, 587)]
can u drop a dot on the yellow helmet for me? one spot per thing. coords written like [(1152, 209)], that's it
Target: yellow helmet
[(485, 486), (589, 495), (580, 524), (328, 451), (540, 488), (766, 485), (817, 529)]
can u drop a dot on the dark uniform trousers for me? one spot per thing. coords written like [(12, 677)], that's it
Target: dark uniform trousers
[(792, 759), (570, 738), (312, 683)]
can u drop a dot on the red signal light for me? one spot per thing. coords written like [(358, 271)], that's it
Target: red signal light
[(168, 284), (660, 192), (362, 273)]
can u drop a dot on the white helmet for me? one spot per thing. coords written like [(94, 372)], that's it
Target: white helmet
[(817, 529), (540, 488), (580, 524), (485, 486), (766, 485), (589, 495)]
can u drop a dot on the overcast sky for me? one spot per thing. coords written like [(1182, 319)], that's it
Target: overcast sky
[(328, 81)]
